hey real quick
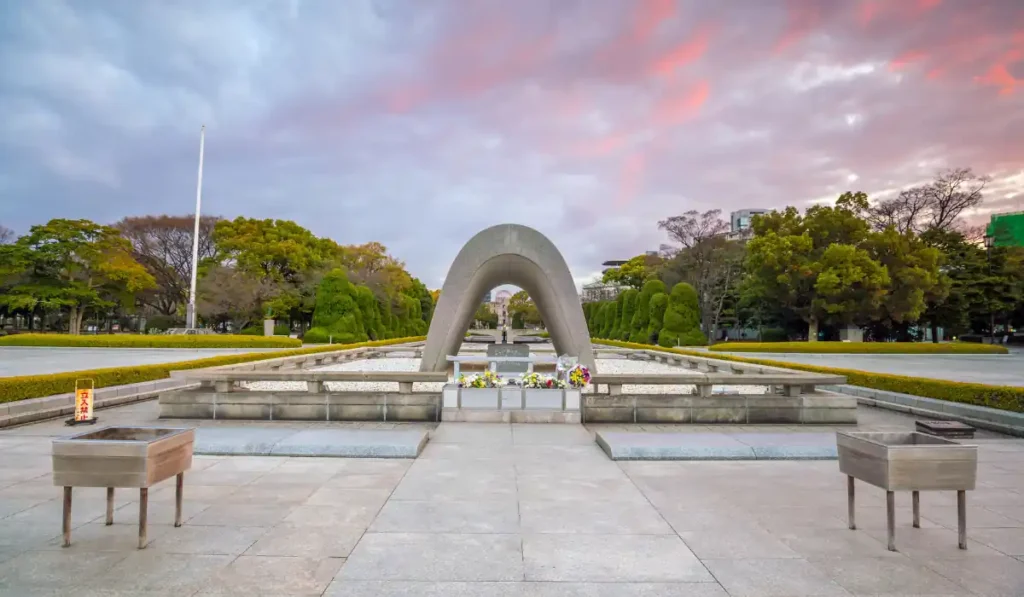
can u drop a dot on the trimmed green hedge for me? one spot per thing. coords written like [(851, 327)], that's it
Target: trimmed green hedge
[(1002, 397), (34, 386), (151, 341), (861, 347)]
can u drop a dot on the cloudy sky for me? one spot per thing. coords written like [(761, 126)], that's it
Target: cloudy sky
[(419, 122)]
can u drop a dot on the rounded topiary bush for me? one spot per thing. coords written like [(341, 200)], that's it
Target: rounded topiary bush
[(681, 315), (659, 303), (693, 338), (321, 335), (638, 326), (630, 296), (337, 309)]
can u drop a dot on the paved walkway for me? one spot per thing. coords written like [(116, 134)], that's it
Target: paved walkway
[(37, 360), (1005, 369), (507, 510)]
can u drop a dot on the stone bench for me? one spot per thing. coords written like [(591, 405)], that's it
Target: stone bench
[(792, 384), (224, 381), (799, 400)]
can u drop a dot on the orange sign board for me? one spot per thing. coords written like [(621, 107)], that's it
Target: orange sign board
[(83, 404)]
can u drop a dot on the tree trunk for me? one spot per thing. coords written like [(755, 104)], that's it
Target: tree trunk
[(74, 321), (812, 329), (935, 332)]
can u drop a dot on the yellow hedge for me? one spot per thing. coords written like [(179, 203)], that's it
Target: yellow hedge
[(35, 386), (1002, 397), (861, 347), (151, 341)]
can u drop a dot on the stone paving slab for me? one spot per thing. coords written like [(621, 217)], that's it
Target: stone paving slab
[(509, 511), (339, 443), (717, 446)]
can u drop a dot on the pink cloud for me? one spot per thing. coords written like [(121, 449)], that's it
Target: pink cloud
[(683, 54)]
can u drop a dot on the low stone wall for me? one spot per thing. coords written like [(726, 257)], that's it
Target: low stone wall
[(202, 403), (820, 408)]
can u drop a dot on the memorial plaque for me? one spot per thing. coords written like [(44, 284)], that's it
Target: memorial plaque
[(509, 350)]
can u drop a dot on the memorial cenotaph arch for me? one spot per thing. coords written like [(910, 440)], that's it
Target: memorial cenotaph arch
[(508, 254)]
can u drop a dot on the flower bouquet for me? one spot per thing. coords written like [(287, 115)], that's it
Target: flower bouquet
[(487, 379), (542, 382), (579, 377)]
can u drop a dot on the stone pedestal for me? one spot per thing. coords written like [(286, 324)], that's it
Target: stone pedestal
[(268, 327)]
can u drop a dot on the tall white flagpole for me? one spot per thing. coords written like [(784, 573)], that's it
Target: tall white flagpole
[(191, 314)]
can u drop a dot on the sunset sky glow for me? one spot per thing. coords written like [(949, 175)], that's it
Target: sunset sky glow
[(419, 122)]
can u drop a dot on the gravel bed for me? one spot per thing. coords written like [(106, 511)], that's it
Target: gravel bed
[(396, 363)]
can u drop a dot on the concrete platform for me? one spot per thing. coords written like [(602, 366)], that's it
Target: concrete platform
[(470, 415), (340, 443), (717, 446)]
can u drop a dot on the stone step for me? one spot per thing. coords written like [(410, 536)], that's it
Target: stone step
[(717, 446), (339, 443)]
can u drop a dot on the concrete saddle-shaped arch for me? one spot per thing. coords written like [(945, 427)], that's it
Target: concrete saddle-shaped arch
[(508, 254)]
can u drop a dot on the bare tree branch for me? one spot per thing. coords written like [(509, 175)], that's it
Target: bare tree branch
[(934, 206), (693, 227), (706, 259), (6, 235), (163, 244), (953, 192)]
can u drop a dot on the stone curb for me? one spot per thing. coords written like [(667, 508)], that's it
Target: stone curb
[(982, 417), (715, 447), (49, 407)]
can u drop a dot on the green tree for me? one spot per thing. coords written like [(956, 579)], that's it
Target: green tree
[(659, 304), (642, 316), (280, 253), (74, 265), (278, 250), (634, 272), (682, 319), (486, 316), (915, 278), (814, 265), (522, 310)]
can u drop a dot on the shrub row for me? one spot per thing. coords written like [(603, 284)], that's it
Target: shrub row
[(861, 347), (280, 329), (35, 386), (1002, 397), (654, 315), (151, 341)]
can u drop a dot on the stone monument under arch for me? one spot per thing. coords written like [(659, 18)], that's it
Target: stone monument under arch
[(508, 254)]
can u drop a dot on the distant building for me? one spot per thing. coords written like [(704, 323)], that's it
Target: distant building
[(740, 220), (620, 262), (488, 297), (739, 223), (499, 305), (603, 291), (600, 291), (1006, 229)]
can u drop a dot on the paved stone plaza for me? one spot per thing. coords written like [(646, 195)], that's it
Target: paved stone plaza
[(500, 510), (974, 368)]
